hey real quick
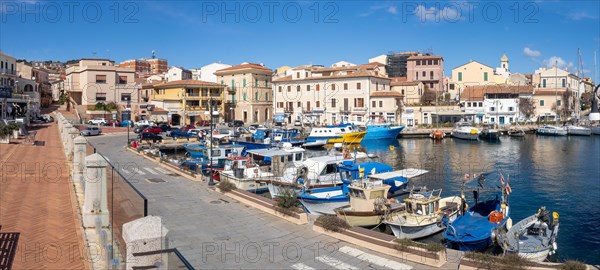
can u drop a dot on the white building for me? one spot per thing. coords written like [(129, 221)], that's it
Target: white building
[(379, 59), (496, 104), (178, 74), (207, 73), (550, 86)]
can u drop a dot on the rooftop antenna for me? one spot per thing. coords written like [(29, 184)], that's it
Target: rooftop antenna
[(153, 54)]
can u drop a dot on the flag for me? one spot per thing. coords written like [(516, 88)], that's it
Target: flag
[(508, 189), (501, 179)]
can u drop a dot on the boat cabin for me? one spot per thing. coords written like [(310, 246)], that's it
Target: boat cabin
[(365, 195), (423, 203), (277, 159)]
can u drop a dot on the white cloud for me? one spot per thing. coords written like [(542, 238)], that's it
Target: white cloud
[(582, 15), (531, 53), (392, 10), (559, 62)]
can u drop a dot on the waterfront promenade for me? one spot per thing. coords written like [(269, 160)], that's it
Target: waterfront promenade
[(36, 200), (214, 231)]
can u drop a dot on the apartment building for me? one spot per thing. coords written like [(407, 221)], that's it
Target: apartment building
[(551, 85), (91, 81), (331, 95), (207, 73), (495, 103), (249, 93), (187, 101), (428, 69), (19, 98), (140, 66), (178, 74), (411, 92)]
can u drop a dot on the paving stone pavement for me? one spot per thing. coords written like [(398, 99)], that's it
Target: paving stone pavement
[(215, 232)]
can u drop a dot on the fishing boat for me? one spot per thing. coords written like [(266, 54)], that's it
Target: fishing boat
[(350, 137), (323, 201), (549, 130), (575, 130), (489, 133), (533, 238), (288, 135), (516, 132), (474, 228), (260, 138), (424, 215), (377, 131), (464, 130), (437, 134), (245, 174), (219, 151)]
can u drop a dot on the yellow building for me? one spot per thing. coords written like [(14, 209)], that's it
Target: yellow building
[(186, 101)]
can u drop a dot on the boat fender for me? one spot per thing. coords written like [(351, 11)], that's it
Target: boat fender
[(509, 223), (554, 246)]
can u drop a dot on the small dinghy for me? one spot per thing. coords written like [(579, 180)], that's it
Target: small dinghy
[(533, 238)]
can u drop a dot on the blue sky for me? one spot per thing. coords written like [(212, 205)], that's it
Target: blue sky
[(195, 33)]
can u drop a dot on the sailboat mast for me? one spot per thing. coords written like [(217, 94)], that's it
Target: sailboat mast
[(556, 89)]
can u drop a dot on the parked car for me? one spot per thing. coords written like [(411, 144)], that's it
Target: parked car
[(147, 136), (155, 130), (46, 118), (164, 127), (125, 123), (114, 122), (144, 122), (175, 133), (97, 121), (187, 127), (203, 123), (139, 129), (91, 131), (236, 123)]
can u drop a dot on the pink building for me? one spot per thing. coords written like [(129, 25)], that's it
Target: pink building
[(428, 69)]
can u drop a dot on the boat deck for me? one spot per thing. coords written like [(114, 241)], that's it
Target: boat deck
[(406, 173)]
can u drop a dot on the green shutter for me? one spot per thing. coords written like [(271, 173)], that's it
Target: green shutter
[(256, 96), (244, 96), (255, 82), (232, 84), (460, 76), (267, 96), (485, 76), (244, 82)]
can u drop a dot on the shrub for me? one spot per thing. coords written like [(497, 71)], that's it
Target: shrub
[(489, 261), (403, 244), (287, 203), (573, 265), (332, 223), (226, 186)]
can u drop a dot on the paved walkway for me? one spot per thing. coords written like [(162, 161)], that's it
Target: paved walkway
[(36, 201), (216, 232)]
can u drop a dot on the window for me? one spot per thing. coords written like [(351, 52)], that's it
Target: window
[(244, 83), (468, 104), (279, 89), (424, 73), (358, 86), (244, 96), (431, 86), (542, 103), (100, 78), (359, 102), (233, 84), (333, 86), (431, 75), (266, 83), (435, 62), (222, 82), (451, 86), (460, 76), (417, 75), (333, 100), (256, 96), (305, 74), (402, 91), (125, 97), (558, 103), (543, 83), (318, 87), (377, 86), (485, 76), (318, 104), (511, 109), (308, 87), (373, 103), (122, 79), (429, 62), (100, 96), (492, 109), (345, 86), (299, 104), (381, 104), (564, 82), (493, 120), (480, 104), (267, 96), (280, 104), (418, 62), (308, 105), (297, 74)]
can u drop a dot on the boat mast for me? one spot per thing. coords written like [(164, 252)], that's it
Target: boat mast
[(556, 90), (581, 78)]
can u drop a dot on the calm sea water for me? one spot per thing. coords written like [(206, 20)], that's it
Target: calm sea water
[(561, 173)]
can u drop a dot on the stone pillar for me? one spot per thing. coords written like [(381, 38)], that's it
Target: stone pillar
[(144, 235), (79, 152), (95, 199), (73, 132), (65, 131)]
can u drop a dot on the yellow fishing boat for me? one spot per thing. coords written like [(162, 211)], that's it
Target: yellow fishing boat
[(350, 137)]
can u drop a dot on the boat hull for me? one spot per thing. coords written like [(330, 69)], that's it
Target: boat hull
[(420, 231), (552, 132), (596, 130), (362, 218), (383, 133), (276, 188), (254, 145), (489, 136), (477, 245), (580, 131), (252, 185), (465, 136), (352, 137), (321, 207)]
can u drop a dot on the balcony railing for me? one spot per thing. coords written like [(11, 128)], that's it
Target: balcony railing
[(344, 109), (288, 110), (8, 71)]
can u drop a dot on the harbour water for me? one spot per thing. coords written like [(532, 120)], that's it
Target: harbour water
[(562, 173)]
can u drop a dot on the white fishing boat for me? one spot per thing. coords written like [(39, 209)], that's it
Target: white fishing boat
[(424, 215), (579, 130), (549, 130), (533, 238), (464, 130), (245, 174)]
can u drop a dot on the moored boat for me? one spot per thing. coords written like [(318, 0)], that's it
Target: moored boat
[(424, 215), (350, 137), (244, 174), (437, 134), (331, 132), (596, 130), (549, 130), (377, 131), (516, 132), (368, 204), (489, 134), (465, 131), (533, 238), (574, 130)]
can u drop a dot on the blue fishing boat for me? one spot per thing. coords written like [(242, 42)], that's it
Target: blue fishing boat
[(377, 131), (260, 139), (475, 228), (200, 150), (289, 135), (324, 200)]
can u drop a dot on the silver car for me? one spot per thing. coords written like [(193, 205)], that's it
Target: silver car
[(91, 131)]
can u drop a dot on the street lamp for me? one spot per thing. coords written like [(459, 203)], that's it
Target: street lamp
[(211, 113), (129, 118)]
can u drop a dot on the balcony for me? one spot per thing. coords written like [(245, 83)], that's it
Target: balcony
[(359, 109), (288, 110), (344, 109), (7, 71)]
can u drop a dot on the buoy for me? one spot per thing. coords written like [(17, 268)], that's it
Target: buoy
[(392, 147)]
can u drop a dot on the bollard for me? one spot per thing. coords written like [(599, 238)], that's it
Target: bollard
[(65, 132), (73, 132), (79, 152), (145, 234), (95, 198)]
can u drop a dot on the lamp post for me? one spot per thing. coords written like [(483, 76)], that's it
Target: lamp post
[(129, 118), (211, 113)]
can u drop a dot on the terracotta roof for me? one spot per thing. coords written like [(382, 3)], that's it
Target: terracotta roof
[(187, 83), (549, 92), (415, 57), (245, 66), (386, 94), (339, 72), (402, 81), (159, 110), (478, 92)]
